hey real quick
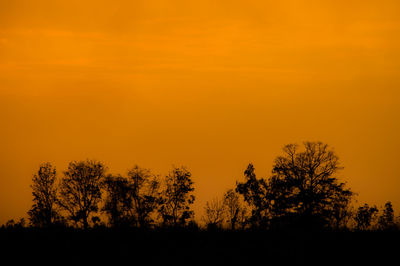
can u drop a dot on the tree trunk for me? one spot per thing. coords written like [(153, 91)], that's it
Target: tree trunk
[(85, 223)]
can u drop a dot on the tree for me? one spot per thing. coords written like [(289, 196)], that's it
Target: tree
[(80, 190), (131, 201), (145, 194), (365, 216), (11, 224), (235, 211), (43, 212), (341, 214), (177, 197), (386, 220), (303, 184), (214, 213), (118, 203), (255, 193)]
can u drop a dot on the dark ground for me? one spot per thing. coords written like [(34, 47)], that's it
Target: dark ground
[(132, 247)]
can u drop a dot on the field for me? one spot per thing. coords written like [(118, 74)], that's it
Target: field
[(182, 247)]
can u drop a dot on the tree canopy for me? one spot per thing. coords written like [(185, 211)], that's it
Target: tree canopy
[(304, 190), (177, 197), (80, 190), (303, 187), (44, 212)]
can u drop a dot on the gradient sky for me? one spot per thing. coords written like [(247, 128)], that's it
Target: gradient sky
[(212, 85)]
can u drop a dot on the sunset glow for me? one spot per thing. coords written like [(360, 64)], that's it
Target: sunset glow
[(211, 85)]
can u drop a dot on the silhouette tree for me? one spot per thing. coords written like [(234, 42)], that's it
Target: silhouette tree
[(214, 213), (386, 220), (145, 195), (235, 211), (303, 184), (11, 224), (132, 201), (43, 212), (80, 190), (365, 216), (118, 203), (341, 214), (177, 198), (255, 193)]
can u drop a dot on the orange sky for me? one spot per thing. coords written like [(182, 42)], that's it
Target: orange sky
[(212, 85)]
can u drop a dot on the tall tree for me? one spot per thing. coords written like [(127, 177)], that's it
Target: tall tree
[(44, 211), (365, 216), (341, 213), (255, 192), (118, 203), (177, 197), (386, 220), (80, 190), (304, 183), (214, 213), (234, 209), (145, 194)]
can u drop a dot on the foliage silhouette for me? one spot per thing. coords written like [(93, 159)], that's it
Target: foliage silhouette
[(303, 184), (132, 201), (303, 193), (255, 193), (365, 216), (177, 197), (214, 213), (44, 211), (301, 190), (80, 190), (11, 224), (146, 195), (118, 203), (386, 220), (235, 210)]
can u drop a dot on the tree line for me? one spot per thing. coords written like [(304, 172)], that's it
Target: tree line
[(85, 191), (303, 192)]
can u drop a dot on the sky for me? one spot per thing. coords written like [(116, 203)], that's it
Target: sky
[(211, 85)]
